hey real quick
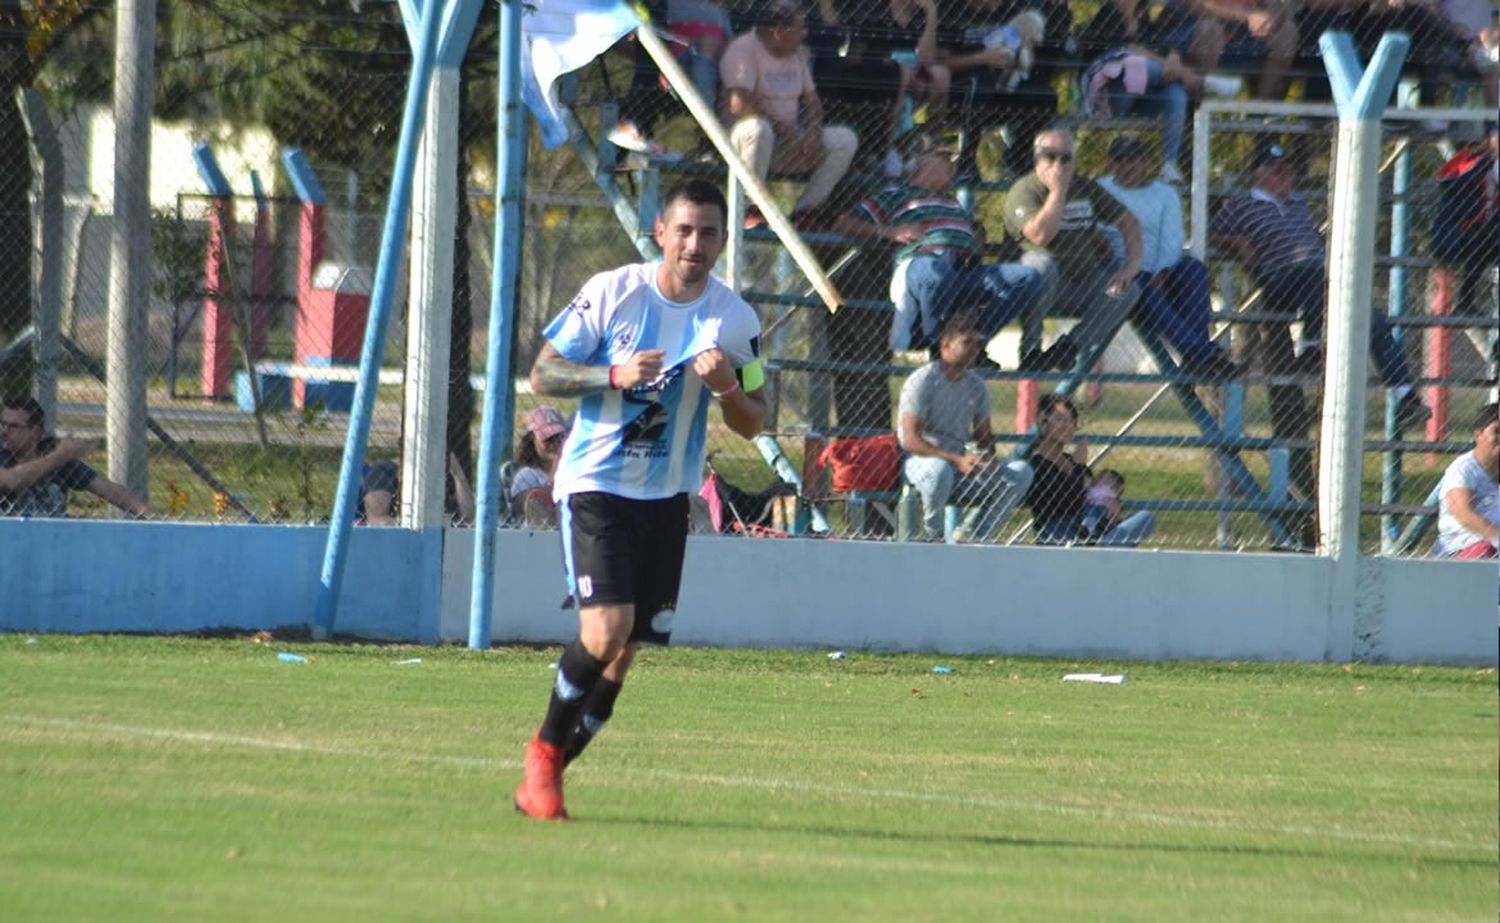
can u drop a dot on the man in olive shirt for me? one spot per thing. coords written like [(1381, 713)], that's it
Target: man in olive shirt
[(1056, 216)]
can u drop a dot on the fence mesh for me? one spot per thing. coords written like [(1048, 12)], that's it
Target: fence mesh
[(256, 312)]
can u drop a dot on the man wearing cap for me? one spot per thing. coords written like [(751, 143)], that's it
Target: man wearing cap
[(1273, 232), (1174, 285), (1057, 217), (938, 248)]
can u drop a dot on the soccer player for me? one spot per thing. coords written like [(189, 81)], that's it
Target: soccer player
[(647, 347)]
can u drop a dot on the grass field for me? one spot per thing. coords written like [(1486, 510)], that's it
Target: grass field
[(173, 778)]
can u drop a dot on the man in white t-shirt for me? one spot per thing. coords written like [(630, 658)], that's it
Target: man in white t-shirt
[(646, 348), (1469, 495), (1174, 300), (774, 114), (944, 408)]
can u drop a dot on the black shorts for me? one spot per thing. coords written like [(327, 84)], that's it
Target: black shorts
[(621, 551)]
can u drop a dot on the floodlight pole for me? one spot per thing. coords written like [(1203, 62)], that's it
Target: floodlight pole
[(1361, 97)]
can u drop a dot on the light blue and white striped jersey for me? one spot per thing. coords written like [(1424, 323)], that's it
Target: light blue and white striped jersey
[(646, 443)]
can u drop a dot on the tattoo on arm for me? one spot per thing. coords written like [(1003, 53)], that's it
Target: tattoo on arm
[(558, 377)]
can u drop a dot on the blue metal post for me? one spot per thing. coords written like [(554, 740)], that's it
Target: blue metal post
[(392, 240), (495, 429), (1390, 482)]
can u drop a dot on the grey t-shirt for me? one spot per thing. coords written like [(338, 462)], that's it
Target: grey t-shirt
[(948, 409)]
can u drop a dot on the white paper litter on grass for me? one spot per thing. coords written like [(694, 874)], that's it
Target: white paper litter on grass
[(1111, 678)]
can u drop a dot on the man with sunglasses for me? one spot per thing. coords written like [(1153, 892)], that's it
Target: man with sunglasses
[(1057, 217), (37, 471)]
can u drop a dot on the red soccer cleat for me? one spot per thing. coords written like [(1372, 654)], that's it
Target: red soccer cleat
[(540, 793)]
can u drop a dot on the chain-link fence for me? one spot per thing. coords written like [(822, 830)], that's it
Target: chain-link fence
[(1206, 409)]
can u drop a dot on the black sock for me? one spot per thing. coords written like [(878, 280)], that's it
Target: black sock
[(596, 711), (577, 675)]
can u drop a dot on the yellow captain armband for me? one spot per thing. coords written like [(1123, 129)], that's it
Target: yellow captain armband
[(752, 375)]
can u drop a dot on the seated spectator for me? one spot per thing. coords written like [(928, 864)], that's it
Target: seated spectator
[(537, 454), (1438, 54), (1469, 497), (945, 406), (1476, 26), (1255, 36), (1131, 75), (380, 490), (1056, 216), (1102, 504), (37, 470), (776, 118), (983, 43), (1174, 300), (1061, 481), (937, 268), (702, 28), (871, 56), (1272, 231)]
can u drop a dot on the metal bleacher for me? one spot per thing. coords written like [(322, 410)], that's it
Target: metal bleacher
[(1221, 431)]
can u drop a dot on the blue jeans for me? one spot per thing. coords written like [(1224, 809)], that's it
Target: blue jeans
[(1168, 100), (927, 288), (995, 490), (1302, 287), (1179, 312), (1127, 533)]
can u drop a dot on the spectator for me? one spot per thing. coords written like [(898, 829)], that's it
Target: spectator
[(1174, 298), (1061, 481), (1244, 35), (37, 470), (537, 453), (1056, 216), (937, 267), (1439, 51), (1273, 232), (380, 490), (772, 105), (1132, 74), (1476, 25), (981, 43), (702, 28), (944, 406), (1102, 504), (873, 55), (1469, 497)]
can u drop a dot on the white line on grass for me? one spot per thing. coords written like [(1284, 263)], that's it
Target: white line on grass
[(746, 782)]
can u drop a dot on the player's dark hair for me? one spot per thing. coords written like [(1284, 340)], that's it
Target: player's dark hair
[(698, 192), (35, 416), (1487, 415)]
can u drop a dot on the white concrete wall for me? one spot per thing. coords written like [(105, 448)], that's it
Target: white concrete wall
[(101, 576), (1049, 601)]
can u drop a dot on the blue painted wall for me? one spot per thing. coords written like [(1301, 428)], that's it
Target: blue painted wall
[(79, 575)]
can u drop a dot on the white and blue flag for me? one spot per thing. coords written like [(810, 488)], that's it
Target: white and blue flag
[(559, 36)]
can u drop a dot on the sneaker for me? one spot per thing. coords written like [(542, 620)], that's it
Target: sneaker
[(1411, 412), (540, 793), (753, 218), (1213, 365), (1171, 175), (1227, 87), (627, 136)]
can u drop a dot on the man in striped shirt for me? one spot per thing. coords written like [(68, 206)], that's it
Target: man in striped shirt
[(1273, 232), (937, 262)]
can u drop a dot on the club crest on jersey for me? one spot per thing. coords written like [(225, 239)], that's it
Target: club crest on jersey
[(579, 304)]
